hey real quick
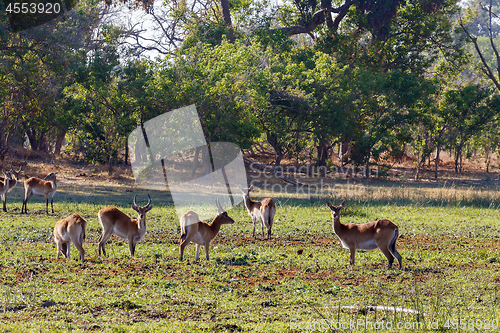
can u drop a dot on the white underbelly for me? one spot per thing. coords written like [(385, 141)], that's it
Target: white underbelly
[(368, 245), (119, 233), (39, 194), (197, 239), (344, 245)]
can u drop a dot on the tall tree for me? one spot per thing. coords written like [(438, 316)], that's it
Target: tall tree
[(491, 17)]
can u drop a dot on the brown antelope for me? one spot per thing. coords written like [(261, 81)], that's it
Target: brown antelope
[(263, 210), (70, 229), (4, 186), (46, 187), (381, 234), (200, 233), (113, 221), (12, 182)]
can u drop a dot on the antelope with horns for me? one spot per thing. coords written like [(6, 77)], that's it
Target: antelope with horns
[(113, 221), (46, 187), (200, 233), (263, 210), (70, 229), (4, 186), (381, 234), (12, 182)]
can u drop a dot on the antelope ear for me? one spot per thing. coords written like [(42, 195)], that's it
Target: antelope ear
[(329, 204), (342, 204)]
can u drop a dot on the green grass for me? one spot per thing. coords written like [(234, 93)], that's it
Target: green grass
[(449, 242)]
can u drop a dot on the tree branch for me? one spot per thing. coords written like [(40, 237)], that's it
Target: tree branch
[(318, 19), (486, 68)]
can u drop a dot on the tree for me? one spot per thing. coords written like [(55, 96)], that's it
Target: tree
[(226, 82), (37, 65), (467, 110), (492, 72), (479, 24)]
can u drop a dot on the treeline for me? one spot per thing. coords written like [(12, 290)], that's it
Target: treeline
[(369, 90)]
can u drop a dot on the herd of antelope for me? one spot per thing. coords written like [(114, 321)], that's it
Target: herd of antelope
[(381, 234)]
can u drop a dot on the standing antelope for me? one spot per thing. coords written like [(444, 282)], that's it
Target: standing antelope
[(46, 187), (381, 234), (200, 233), (263, 210), (70, 229), (113, 221), (13, 181), (4, 186)]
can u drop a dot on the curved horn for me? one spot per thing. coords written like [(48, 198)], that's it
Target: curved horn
[(219, 208), (135, 196), (149, 201)]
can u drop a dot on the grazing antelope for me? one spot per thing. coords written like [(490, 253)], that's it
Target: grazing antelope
[(70, 229), (12, 182), (381, 234), (200, 233), (46, 187), (4, 186), (113, 221), (263, 210)]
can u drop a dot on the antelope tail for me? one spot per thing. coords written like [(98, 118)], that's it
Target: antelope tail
[(392, 243)]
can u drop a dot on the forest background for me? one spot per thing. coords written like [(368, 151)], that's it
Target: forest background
[(360, 82)]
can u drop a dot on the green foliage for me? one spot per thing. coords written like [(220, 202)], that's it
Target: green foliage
[(225, 82), (378, 83), (467, 111)]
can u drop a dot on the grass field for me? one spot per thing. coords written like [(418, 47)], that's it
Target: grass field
[(449, 242)]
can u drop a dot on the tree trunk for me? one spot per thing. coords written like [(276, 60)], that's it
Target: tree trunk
[(437, 161), (59, 142), (31, 138), (344, 151), (419, 162), (457, 159), (226, 14), (110, 166), (206, 160), (322, 154), (278, 152), (126, 153), (195, 161)]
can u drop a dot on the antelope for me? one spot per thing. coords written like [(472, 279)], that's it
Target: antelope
[(4, 186), (200, 233), (263, 210), (12, 182), (70, 229), (46, 187), (113, 221), (381, 234)]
